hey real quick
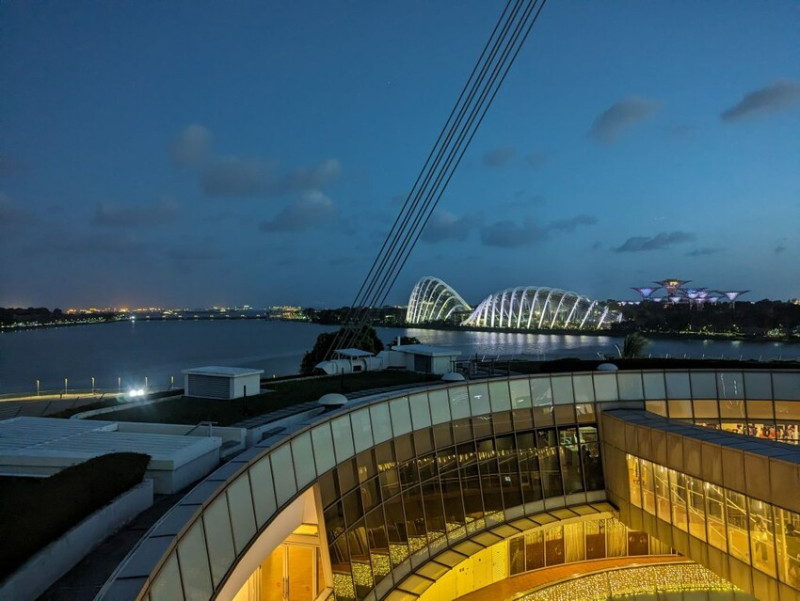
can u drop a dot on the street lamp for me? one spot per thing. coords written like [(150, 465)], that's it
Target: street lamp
[(92, 385), (66, 385), (37, 387)]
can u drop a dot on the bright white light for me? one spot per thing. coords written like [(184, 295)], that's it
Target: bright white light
[(136, 392)]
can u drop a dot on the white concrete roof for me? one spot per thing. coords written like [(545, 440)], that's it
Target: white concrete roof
[(427, 350), (30, 441), (352, 353), (217, 370)]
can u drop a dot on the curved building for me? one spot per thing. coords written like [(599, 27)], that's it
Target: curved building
[(433, 300), (436, 492), (539, 308)]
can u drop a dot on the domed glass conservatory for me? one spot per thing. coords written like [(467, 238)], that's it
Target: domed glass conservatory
[(521, 308)]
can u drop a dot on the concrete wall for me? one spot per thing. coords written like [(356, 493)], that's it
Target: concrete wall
[(245, 385), (57, 558)]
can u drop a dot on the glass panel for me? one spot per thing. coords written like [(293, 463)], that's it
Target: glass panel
[(242, 518), (401, 416), (263, 490), (303, 459), (703, 385), (574, 542), (549, 463), (521, 392), (715, 515), (585, 413), (584, 389), (272, 575), (605, 387), (654, 386), (194, 564), (705, 409), (680, 409), (323, 448), (554, 545), (459, 402), (759, 410), (617, 538), (381, 423), (634, 481), (787, 530), (440, 407), (167, 584), (479, 399), (696, 507), (786, 386), (677, 483), (534, 550), (657, 407), (565, 414), (362, 429), (757, 385), (571, 469), (516, 555), (630, 386), (218, 531), (285, 487), (762, 536), (736, 517), (562, 389), (648, 486), (500, 396), (420, 412), (662, 493), (595, 539), (342, 438), (300, 573), (730, 385), (678, 385)]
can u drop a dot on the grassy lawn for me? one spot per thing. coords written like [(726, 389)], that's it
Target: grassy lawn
[(188, 410), (36, 511)]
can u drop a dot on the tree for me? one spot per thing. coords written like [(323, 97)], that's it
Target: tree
[(366, 340), (632, 346)]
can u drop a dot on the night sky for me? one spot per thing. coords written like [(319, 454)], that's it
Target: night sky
[(187, 154)]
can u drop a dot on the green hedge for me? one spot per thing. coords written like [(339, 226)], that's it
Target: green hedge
[(36, 511)]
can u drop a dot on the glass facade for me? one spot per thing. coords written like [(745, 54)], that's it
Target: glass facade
[(761, 404), (405, 476), (757, 533), (578, 541)]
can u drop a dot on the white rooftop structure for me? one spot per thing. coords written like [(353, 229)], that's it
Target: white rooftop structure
[(352, 353), (216, 382), (41, 446)]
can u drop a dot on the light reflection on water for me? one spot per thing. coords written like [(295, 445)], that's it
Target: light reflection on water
[(160, 350)]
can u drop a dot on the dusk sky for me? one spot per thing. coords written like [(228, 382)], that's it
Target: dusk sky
[(187, 154)]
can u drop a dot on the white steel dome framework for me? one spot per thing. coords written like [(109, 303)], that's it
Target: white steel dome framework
[(521, 308), (539, 308), (432, 300)]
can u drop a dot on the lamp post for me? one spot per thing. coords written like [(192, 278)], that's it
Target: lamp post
[(37, 387), (92, 385), (119, 383), (145, 384), (66, 385)]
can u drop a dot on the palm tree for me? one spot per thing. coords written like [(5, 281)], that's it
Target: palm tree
[(632, 346)]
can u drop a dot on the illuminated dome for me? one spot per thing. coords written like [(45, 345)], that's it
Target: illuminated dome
[(539, 308), (432, 300)]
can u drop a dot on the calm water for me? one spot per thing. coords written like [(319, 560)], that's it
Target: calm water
[(127, 352)]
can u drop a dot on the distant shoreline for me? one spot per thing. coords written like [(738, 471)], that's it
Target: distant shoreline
[(436, 327)]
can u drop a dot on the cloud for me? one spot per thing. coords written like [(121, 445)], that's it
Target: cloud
[(444, 225), (524, 199), (569, 225), (702, 252), (241, 177), (621, 116), (597, 245), (311, 209), (777, 97), (780, 246), (499, 156), (508, 234), (112, 214), (199, 251), (536, 160), (191, 146), (13, 215), (109, 244), (657, 242)]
